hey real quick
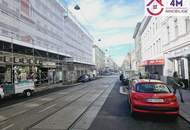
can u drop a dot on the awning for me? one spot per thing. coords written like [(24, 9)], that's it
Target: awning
[(154, 62)]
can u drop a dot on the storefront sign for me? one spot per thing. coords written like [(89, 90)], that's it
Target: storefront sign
[(182, 52), (154, 62), (48, 64)]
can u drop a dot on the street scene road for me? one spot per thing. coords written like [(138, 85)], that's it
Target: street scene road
[(95, 105), (115, 115), (65, 109), (94, 65)]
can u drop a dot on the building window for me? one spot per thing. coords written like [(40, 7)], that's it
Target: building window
[(176, 28), (187, 24), (25, 7)]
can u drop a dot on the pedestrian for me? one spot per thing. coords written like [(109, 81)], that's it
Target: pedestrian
[(140, 75), (177, 85), (121, 77)]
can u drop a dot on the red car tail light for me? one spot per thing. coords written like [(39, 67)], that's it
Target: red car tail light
[(171, 99)]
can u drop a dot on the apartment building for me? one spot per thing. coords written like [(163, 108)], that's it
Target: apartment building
[(165, 46), (152, 39), (177, 47)]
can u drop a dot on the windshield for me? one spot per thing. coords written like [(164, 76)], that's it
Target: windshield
[(152, 88)]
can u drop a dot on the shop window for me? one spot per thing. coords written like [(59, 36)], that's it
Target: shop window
[(182, 69)]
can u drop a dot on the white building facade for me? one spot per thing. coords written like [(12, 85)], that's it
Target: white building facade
[(152, 39), (39, 35), (99, 59), (166, 46), (110, 65), (177, 47), (137, 51)]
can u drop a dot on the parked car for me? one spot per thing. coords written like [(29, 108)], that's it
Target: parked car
[(91, 77), (152, 96), (84, 78)]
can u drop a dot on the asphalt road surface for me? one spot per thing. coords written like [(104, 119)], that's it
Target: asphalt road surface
[(96, 105), (115, 115)]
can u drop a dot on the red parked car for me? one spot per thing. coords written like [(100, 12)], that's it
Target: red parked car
[(152, 96)]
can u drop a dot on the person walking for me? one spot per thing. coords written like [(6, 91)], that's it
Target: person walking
[(121, 77), (177, 85)]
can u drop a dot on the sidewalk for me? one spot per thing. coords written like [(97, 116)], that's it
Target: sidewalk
[(185, 107)]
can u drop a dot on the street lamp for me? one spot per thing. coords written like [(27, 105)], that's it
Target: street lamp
[(77, 7)]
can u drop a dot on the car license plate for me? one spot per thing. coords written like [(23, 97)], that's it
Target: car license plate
[(155, 100)]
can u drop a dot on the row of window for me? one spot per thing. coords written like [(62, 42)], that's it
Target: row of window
[(177, 25)]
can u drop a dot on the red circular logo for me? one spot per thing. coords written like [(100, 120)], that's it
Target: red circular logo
[(152, 7)]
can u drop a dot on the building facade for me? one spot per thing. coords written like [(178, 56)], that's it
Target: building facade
[(38, 40), (165, 46), (152, 39), (137, 51), (127, 63), (177, 47), (110, 65), (99, 59)]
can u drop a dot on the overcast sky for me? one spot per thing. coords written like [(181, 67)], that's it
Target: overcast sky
[(113, 21)]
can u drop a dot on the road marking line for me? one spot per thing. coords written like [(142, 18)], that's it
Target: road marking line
[(9, 126), (46, 99), (47, 108)]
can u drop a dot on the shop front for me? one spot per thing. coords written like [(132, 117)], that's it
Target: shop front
[(154, 66), (180, 60), (21, 65)]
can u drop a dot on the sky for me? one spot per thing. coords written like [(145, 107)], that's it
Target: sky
[(112, 21)]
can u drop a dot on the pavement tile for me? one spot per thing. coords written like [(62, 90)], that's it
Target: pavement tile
[(185, 107)]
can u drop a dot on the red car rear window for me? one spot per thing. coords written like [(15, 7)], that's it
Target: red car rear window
[(152, 88)]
